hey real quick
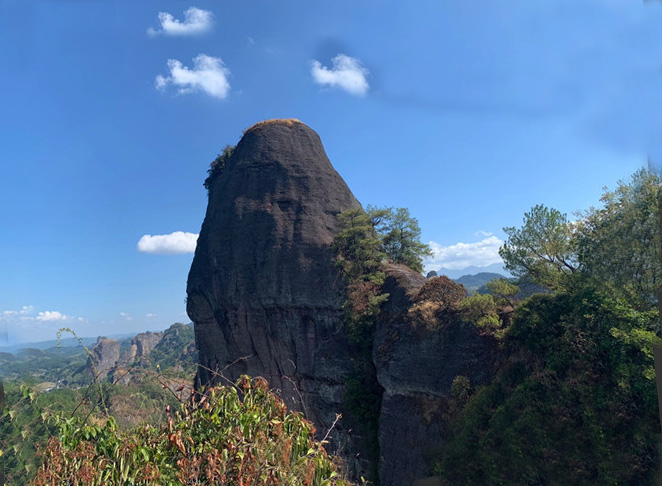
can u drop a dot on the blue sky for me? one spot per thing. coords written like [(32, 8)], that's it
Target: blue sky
[(467, 113)]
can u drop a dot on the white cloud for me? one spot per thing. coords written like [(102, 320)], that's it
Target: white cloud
[(208, 75), (150, 315), (51, 316), (126, 316), (347, 73), (483, 233), (27, 324), (196, 21), (174, 243), (461, 255)]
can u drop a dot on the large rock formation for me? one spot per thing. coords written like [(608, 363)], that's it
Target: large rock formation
[(266, 301), (262, 291)]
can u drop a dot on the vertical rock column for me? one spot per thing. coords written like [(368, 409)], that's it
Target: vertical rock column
[(262, 290)]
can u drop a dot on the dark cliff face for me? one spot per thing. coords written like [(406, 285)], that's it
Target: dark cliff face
[(416, 361), (262, 291)]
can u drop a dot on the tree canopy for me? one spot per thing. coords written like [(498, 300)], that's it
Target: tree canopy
[(543, 247), (400, 236), (357, 245), (616, 246), (619, 243)]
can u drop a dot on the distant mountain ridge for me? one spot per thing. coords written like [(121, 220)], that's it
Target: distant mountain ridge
[(474, 282), (472, 270), (66, 342)]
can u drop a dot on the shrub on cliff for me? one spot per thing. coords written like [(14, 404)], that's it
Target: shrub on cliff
[(441, 290), (236, 435), (217, 165)]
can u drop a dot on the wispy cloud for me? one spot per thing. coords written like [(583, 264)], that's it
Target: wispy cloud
[(196, 21), (347, 74), (174, 243), (461, 255), (126, 316), (25, 310), (208, 75)]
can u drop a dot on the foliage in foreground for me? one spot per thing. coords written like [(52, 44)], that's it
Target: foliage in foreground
[(235, 435), (22, 430)]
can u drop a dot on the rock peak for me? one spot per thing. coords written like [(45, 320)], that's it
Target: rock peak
[(288, 122)]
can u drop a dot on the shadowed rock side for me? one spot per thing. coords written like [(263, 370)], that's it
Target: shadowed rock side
[(104, 358), (262, 290), (416, 362)]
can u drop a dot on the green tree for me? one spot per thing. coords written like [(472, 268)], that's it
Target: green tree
[(359, 254), (503, 290), (543, 248), (481, 311), (619, 243), (358, 248), (400, 236)]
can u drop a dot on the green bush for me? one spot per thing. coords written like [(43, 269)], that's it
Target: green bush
[(218, 165), (481, 311)]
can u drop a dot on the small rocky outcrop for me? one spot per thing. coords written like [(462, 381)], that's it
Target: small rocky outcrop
[(141, 346), (262, 290), (105, 356), (417, 360)]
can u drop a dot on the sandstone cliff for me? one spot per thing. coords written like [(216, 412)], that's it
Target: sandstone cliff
[(105, 355), (141, 346), (262, 290), (172, 347)]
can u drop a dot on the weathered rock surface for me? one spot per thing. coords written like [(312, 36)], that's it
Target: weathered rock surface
[(141, 345), (416, 364), (262, 290), (105, 355)]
